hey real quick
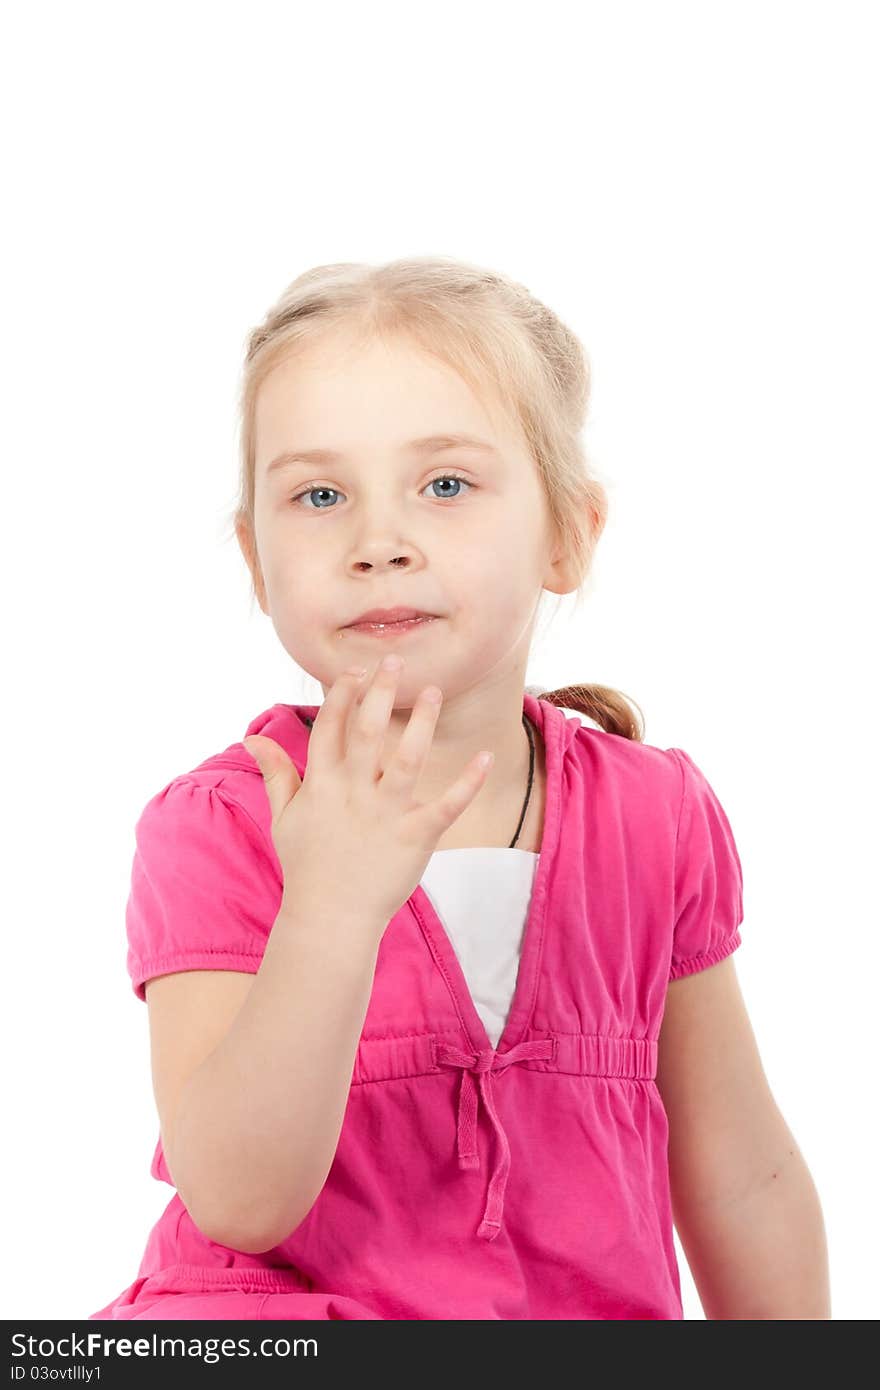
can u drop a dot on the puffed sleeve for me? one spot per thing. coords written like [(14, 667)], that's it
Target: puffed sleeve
[(204, 890), (708, 877)]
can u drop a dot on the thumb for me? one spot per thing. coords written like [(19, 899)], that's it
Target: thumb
[(281, 779)]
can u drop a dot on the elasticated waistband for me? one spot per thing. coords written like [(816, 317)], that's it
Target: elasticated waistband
[(187, 1278)]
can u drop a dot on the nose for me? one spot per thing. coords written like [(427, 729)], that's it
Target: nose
[(400, 561), (379, 530), (376, 554)]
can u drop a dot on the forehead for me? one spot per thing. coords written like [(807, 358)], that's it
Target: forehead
[(342, 396)]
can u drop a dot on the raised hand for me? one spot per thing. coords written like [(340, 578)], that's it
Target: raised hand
[(348, 837)]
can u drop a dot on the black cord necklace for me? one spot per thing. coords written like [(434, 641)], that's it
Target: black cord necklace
[(528, 726)]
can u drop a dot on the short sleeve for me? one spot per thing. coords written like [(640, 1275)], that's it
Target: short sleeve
[(708, 877), (204, 890)]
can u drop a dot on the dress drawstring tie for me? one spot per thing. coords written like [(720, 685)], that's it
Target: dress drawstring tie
[(484, 1063)]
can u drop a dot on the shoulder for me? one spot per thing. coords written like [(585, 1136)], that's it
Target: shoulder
[(225, 794), (639, 777)]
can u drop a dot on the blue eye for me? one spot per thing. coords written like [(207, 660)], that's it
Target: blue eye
[(443, 478), (308, 492), (450, 478)]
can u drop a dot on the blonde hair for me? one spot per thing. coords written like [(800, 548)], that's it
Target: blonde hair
[(491, 331)]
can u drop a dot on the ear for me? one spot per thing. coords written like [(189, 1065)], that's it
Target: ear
[(247, 545), (561, 577)]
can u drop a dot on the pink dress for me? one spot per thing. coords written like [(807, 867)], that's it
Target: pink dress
[(523, 1181)]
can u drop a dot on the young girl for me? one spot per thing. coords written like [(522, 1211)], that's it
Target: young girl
[(405, 1007)]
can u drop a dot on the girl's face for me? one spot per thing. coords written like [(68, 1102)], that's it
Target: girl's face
[(375, 527)]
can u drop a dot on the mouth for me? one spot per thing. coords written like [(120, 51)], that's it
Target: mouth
[(395, 629)]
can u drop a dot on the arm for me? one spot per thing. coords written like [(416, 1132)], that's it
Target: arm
[(255, 1132), (743, 1201)]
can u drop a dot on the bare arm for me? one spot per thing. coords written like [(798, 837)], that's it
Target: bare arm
[(744, 1204), (256, 1129)]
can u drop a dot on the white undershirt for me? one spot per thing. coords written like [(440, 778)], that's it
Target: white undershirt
[(482, 898)]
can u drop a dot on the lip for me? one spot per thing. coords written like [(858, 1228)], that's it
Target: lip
[(389, 615), (392, 630)]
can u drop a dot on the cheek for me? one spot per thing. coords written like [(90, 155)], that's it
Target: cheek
[(293, 566), (494, 596)]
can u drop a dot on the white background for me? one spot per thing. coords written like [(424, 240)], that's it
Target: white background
[(692, 187)]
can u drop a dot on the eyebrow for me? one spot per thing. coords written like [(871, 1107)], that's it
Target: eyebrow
[(429, 444)]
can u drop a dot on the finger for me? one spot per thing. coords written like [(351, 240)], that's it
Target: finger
[(329, 731), (361, 689), (405, 768), (369, 724), (280, 776), (435, 817)]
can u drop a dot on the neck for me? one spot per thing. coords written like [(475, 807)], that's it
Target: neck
[(491, 819)]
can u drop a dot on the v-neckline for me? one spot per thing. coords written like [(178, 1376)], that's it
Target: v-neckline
[(440, 944)]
